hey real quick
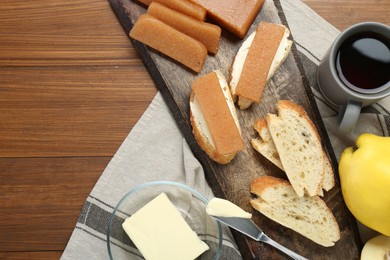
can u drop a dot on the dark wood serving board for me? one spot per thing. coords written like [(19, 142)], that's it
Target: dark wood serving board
[(232, 181)]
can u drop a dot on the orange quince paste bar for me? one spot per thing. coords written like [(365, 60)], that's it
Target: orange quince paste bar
[(234, 15), (183, 6), (169, 41), (206, 33)]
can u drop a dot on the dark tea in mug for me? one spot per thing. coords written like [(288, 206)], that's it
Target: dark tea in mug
[(355, 71), (363, 62)]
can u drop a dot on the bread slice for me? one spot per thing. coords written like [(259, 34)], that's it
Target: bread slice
[(299, 147), (264, 143), (214, 119), (266, 147), (257, 60), (309, 216)]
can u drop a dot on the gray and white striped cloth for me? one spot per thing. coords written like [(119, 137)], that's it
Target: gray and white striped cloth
[(144, 155)]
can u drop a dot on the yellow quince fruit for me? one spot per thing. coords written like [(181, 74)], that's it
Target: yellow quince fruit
[(365, 181)]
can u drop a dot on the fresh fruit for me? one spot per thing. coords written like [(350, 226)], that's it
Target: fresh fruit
[(365, 181), (376, 248)]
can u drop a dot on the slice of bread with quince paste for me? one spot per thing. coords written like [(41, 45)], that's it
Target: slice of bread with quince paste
[(213, 118), (257, 60)]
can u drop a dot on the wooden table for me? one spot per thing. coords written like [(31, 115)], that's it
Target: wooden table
[(71, 89)]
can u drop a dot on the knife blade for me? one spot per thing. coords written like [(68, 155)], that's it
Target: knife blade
[(249, 228)]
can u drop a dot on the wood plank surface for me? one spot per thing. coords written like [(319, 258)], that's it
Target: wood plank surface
[(41, 199), (344, 13), (37, 255), (71, 89)]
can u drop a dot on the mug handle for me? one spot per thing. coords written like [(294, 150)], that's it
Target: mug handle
[(349, 115)]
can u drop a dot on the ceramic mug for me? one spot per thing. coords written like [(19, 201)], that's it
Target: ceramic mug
[(355, 72)]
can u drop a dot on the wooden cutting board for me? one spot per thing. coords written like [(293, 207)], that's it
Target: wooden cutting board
[(232, 181)]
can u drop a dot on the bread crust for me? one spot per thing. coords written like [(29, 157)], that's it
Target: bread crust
[(258, 185), (260, 124)]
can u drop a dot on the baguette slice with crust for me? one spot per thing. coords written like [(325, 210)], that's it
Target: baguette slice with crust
[(214, 119), (266, 147), (257, 60), (299, 147), (309, 216)]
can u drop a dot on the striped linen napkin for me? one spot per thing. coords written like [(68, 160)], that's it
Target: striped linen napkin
[(145, 157)]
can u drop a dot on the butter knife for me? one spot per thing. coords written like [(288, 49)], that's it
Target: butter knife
[(249, 228)]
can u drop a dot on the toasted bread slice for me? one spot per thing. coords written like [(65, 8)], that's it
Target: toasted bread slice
[(309, 216), (183, 6), (169, 41), (266, 147), (213, 118), (299, 147), (257, 60), (207, 33)]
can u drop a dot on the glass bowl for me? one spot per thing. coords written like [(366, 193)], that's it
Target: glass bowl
[(190, 203)]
